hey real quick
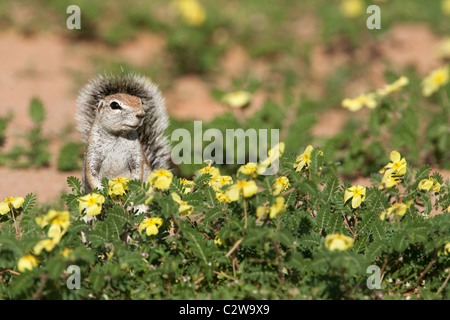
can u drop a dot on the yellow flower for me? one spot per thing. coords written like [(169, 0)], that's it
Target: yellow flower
[(261, 211), (277, 208), (393, 87), (338, 242), (445, 6), (188, 185), (303, 160), (59, 222), (368, 100), (237, 99), (250, 169), (47, 244), (220, 196), (352, 8), (435, 80), (358, 193), (242, 187), (213, 171), (92, 203), (273, 155), (389, 180), (217, 241), (27, 262), (161, 179), (281, 183), (151, 226), (273, 210), (220, 181), (431, 183), (118, 186), (398, 164), (447, 248), (10, 203), (185, 208), (66, 252), (398, 208), (191, 11)]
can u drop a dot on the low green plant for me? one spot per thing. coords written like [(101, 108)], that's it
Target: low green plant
[(3, 125), (305, 240), (36, 154), (71, 156)]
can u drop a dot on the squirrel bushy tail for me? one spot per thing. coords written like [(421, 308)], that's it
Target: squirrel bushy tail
[(151, 134)]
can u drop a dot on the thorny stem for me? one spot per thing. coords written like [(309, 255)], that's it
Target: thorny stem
[(428, 267), (443, 285), (348, 226), (280, 266), (234, 247), (37, 295), (384, 265), (15, 224), (245, 213)]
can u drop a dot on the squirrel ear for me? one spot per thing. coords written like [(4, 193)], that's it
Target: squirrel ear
[(100, 105)]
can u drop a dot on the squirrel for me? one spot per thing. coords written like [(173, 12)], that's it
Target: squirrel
[(122, 119)]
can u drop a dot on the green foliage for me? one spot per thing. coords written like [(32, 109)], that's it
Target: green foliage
[(285, 257), (70, 157), (3, 124), (36, 154)]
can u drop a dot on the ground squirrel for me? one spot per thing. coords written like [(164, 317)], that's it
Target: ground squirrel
[(122, 120)]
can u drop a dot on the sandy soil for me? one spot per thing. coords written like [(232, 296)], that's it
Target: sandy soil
[(43, 66)]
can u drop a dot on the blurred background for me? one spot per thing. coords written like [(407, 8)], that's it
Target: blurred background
[(295, 60)]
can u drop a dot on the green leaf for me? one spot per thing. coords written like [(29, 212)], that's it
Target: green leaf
[(375, 249), (23, 283), (197, 245), (423, 173), (202, 179), (322, 218), (29, 203), (56, 267), (96, 279), (311, 241), (75, 184), (309, 187), (330, 189), (335, 223), (210, 197), (36, 110), (98, 238)]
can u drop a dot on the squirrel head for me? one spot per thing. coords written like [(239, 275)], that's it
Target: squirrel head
[(120, 113)]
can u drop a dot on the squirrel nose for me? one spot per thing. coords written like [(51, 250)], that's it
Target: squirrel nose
[(140, 115)]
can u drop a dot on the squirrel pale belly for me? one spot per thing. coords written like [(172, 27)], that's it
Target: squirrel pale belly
[(122, 120)]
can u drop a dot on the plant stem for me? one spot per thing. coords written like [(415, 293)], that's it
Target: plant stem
[(280, 266), (443, 285), (15, 224), (428, 267), (245, 214)]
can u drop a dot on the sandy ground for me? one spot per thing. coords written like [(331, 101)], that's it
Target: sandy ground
[(44, 65)]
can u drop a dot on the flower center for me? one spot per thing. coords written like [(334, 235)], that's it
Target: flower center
[(9, 200), (92, 201), (439, 78), (242, 184)]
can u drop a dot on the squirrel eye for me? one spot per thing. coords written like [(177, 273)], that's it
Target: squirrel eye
[(114, 105)]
